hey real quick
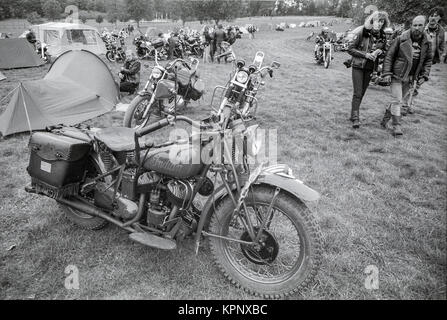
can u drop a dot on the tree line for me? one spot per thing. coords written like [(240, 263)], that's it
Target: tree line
[(209, 10)]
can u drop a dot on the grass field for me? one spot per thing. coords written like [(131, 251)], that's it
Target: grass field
[(383, 199)]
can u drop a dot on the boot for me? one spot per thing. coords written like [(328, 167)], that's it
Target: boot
[(386, 118), (355, 119), (397, 131)]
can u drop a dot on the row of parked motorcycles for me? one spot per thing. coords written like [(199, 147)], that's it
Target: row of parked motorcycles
[(191, 46), (205, 186)]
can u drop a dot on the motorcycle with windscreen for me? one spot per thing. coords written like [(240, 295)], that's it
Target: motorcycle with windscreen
[(261, 233)]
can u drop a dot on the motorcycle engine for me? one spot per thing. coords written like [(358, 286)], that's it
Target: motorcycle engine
[(169, 104), (179, 192)]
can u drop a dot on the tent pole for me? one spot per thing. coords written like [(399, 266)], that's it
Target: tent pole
[(26, 109), (41, 43)]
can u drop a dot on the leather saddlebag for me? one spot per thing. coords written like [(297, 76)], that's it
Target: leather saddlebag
[(56, 160)]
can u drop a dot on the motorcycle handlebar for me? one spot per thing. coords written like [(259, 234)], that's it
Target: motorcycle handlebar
[(165, 122)]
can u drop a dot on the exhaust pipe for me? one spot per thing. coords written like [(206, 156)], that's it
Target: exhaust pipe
[(93, 211)]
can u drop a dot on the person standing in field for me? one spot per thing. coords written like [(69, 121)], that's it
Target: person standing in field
[(219, 37), (409, 59), (367, 45), (436, 34)]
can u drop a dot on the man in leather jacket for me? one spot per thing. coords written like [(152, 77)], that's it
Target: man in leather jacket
[(130, 73), (409, 59), (436, 34), (219, 36)]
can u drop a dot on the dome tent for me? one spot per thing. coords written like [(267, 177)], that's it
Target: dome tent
[(18, 53), (77, 87)]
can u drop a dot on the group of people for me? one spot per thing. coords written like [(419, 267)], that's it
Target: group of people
[(407, 61), (214, 40)]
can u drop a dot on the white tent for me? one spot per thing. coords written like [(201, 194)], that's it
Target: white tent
[(61, 37), (302, 24), (2, 76)]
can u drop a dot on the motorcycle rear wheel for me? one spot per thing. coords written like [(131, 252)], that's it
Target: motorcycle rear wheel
[(297, 237), (80, 218)]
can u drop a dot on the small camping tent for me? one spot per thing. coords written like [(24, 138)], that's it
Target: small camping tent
[(2, 76), (78, 87), (18, 53), (61, 37)]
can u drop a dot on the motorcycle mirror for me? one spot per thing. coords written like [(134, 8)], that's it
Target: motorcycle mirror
[(194, 63), (240, 63), (275, 64), (252, 68)]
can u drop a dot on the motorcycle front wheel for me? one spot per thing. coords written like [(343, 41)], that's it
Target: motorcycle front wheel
[(133, 118), (288, 256), (327, 61), (110, 56)]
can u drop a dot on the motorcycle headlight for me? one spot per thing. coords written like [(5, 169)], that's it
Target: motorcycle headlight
[(242, 76), (254, 141), (156, 73)]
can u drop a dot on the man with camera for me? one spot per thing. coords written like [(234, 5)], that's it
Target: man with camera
[(408, 60)]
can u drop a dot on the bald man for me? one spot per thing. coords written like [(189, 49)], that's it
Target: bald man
[(408, 60)]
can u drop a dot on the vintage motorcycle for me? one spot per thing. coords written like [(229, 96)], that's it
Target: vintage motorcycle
[(148, 49), (239, 94), (192, 46), (115, 53), (325, 56), (168, 90), (261, 234)]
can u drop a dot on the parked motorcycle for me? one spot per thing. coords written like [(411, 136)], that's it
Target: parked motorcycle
[(261, 234), (148, 49), (193, 47), (115, 53), (168, 90), (341, 46)]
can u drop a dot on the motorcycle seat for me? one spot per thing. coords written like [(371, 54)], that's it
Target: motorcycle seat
[(120, 139)]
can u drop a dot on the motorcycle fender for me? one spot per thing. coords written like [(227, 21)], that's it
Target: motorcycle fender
[(283, 181), (290, 184), (144, 93)]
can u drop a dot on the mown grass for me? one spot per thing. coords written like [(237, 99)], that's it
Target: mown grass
[(383, 199)]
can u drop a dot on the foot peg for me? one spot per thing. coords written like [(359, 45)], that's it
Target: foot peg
[(153, 241), (30, 189)]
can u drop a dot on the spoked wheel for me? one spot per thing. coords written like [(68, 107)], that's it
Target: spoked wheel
[(288, 254), (110, 56), (80, 218), (133, 118)]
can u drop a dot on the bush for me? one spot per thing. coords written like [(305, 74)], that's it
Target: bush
[(34, 18), (83, 18), (99, 19)]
